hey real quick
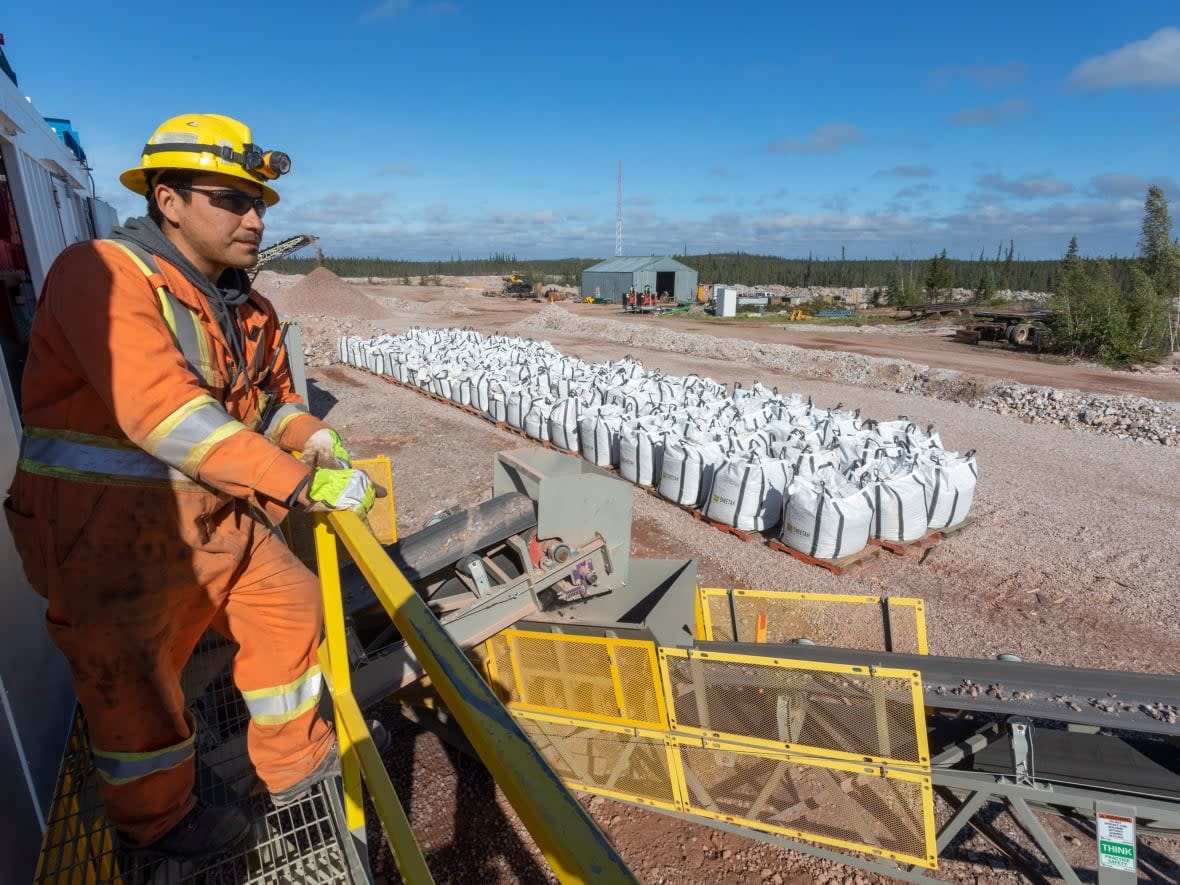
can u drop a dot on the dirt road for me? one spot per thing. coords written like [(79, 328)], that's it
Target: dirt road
[(927, 345)]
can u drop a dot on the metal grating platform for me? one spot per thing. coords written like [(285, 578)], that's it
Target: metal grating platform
[(304, 843)]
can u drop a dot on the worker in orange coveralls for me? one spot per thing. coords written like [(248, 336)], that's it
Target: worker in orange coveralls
[(159, 415)]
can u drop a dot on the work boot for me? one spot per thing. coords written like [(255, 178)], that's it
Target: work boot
[(329, 767), (203, 832)]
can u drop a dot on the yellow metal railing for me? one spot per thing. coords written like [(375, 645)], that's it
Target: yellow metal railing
[(575, 848)]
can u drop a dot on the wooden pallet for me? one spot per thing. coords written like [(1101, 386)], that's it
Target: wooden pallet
[(859, 561), (725, 527), (955, 529), (549, 444), (898, 548)]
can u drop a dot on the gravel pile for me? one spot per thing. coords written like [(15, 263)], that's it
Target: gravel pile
[(1127, 417), (322, 293)]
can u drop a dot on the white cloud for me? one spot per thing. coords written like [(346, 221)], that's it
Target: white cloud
[(1119, 184), (1154, 62), (992, 115), (987, 76), (827, 139), (915, 191), (1030, 187), (401, 170), (340, 209), (905, 172), (385, 9)]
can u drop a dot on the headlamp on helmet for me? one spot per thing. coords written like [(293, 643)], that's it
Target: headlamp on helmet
[(208, 143), (268, 165)]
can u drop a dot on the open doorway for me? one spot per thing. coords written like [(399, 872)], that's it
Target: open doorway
[(666, 282), (17, 298)]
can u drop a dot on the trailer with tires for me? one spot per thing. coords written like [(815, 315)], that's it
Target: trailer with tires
[(1024, 329)]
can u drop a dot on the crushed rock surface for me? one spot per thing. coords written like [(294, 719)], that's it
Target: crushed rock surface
[(1070, 558)]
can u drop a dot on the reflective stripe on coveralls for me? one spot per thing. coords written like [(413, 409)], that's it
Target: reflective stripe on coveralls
[(84, 457), (274, 706), (184, 437), (123, 768), (189, 333), (283, 415)]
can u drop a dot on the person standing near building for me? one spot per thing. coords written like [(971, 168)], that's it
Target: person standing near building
[(159, 414)]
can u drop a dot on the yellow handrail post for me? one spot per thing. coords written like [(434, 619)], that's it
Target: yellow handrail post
[(339, 677)]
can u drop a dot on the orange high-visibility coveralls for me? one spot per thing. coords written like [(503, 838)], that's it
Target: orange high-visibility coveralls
[(141, 509)]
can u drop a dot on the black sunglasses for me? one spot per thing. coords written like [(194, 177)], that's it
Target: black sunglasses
[(235, 201)]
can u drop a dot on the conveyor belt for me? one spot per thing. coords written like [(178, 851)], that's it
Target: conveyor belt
[(443, 544), (1097, 761), (1142, 702)]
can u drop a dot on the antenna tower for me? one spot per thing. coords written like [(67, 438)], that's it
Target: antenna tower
[(619, 212)]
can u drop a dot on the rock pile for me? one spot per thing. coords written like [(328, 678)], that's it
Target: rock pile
[(1127, 417), (323, 294)]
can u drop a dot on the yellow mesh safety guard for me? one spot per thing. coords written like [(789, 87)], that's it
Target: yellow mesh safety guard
[(846, 621), (834, 754)]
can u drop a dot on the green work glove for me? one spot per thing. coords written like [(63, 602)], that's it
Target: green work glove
[(341, 490), (324, 449)]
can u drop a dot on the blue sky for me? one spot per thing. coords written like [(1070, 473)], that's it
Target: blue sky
[(444, 128)]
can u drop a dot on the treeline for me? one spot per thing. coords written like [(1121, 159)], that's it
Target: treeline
[(565, 271), (1097, 314), (738, 268), (1008, 271)]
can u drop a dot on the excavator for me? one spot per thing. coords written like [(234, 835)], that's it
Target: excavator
[(518, 285)]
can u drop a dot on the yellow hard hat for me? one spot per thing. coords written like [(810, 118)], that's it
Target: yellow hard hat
[(208, 143)]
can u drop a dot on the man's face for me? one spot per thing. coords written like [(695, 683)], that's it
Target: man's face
[(207, 228)]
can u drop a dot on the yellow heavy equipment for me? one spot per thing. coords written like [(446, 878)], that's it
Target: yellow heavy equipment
[(517, 284)]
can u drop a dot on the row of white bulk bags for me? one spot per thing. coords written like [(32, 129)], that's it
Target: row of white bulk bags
[(518, 381)]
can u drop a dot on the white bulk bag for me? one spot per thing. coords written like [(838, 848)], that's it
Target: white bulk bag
[(950, 486), (747, 493), (520, 400), (497, 408), (461, 389), (687, 471), (806, 460), (563, 424), (598, 434), (536, 420), (641, 452), (827, 517), (899, 504), (481, 388)]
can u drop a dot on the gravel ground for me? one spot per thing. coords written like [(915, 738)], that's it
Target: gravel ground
[(1070, 559)]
